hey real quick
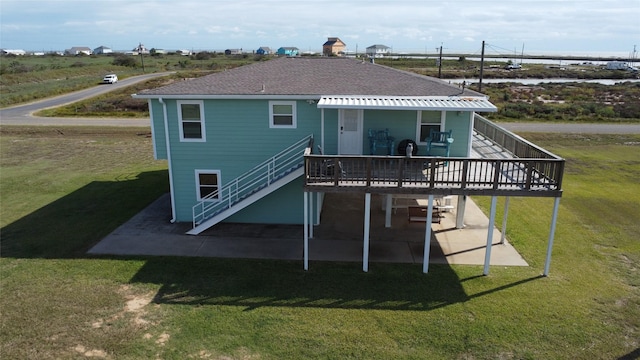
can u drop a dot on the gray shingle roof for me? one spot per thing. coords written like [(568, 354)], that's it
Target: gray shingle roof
[(312, 76)]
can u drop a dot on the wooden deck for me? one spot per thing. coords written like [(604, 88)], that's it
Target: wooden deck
[(434, 175), (504, 165)]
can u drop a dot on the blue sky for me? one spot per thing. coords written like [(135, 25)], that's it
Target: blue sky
[(508, 26)]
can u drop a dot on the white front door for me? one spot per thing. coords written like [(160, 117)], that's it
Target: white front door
[(350, 132)]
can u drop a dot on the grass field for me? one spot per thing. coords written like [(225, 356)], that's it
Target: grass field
[(62, 189)]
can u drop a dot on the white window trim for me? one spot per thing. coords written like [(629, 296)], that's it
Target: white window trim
[(202, 122), (204, 171), (443, 116), (294, 120)]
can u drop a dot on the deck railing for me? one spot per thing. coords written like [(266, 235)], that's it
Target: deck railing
[(261, 176), (434, 175), (514, 144)]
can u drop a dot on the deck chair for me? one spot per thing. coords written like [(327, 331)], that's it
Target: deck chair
[(328, 167), (380, 139), (439, 139)]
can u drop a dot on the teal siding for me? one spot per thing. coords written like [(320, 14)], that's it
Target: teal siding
[(401, 125), (238, 138), (157, 124), (460, 126), (284, 206)]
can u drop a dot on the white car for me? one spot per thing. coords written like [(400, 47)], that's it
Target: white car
[(110, 79)]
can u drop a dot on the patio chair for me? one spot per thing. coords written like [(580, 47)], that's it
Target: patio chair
[(328, 166), (439, 139), (380, 139)]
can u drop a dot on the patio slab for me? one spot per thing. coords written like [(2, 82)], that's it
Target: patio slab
[(338, 238)]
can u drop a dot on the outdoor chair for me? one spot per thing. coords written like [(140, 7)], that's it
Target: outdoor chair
[(328, 166), (380, 139), (439, 139)]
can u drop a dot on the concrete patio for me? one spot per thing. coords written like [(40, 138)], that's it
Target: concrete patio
[(338, 238)]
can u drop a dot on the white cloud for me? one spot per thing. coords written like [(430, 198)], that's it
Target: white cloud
[(410, 24)]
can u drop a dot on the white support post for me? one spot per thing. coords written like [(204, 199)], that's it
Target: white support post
[(311, 216), (367, 225), (318, 208), (552, 233), (387, 210), (427, 236), (462, 201), (306, 230), (492, 219), (504, 219)]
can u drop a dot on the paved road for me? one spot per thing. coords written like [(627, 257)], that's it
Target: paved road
[(22, 114), (573, 128)]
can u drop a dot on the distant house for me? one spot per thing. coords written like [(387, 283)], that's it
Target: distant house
[(288, 51), (264, 50), (233, 52), (13, 52), (77, 50), (140, 49), (333, 46), (378, 50), (102, 50), (184, 52)]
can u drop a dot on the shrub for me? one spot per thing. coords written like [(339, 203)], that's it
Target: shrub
[(125, 60)]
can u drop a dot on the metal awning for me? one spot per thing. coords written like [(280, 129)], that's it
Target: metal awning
[(442, 103)]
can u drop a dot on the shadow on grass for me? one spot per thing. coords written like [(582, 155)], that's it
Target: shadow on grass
[(254, 284), (69, 226)]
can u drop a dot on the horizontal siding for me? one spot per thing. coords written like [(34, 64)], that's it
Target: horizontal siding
[(157, 125), (238, 138), (284, 206), (460, 125)]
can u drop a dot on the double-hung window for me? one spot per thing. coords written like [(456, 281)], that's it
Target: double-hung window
[(282, 114), (427, 121), (207, 185), (191, 118)]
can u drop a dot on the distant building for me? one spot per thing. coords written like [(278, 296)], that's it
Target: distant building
[(77, 50), (264, 50), (233, 52), (13, 52), (140, 49), (333, 46), (184, 52), (102, 50), (288, 51), (378, 50)]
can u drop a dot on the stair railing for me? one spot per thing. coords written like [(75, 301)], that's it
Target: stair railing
[(259, 177)]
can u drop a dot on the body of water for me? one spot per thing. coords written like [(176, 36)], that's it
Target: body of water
[(541, 81)]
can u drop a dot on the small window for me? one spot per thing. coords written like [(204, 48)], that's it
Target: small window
[(207, 185), (428, 120), (282, 114), (191, 121)]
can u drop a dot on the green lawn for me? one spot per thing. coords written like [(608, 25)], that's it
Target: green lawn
[(62, 189)]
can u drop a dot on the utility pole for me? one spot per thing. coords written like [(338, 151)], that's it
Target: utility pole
[(481, 68), (440, 63)]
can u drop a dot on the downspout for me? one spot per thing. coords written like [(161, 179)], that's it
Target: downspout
[(168, 146)]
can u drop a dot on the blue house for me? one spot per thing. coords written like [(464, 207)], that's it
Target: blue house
[(264, 50), (249, 144), (288, 51)]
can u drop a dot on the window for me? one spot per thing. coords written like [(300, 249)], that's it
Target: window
[(207, 185), (282, 114), (191, 119), (427, 121)]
